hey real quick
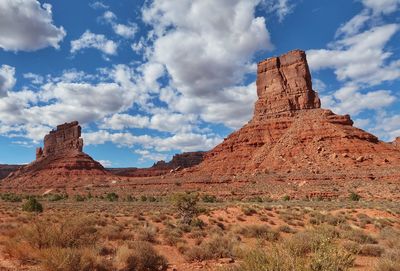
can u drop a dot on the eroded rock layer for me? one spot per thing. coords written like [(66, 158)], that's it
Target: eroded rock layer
[(289, 132), (60, 159)]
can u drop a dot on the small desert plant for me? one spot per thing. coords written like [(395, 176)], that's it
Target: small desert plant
[(214, 248), (112, 196), (209, 198), (32, 205), (186, 204), (79, 198), (354, 196), (140, 256), (259, 231)]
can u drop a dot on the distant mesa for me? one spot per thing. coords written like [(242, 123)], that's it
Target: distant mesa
[(178, 163), (60, 159)]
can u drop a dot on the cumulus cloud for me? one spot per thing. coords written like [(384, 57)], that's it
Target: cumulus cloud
[(151, 155), (127, 31), (359, 58), (96, 41), (26, 25), (7, 79), (206, 59), (361, 61), (180, 141)]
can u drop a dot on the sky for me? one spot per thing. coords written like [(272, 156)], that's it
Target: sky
[(150, 78)]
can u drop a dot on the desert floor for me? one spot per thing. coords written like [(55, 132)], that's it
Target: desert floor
[(150, 233)]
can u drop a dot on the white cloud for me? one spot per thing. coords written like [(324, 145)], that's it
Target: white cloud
[(7, 79), (98, 5), (350, 100), (382, 6), (151, 155), (182, 141), (36, 79), (360, 58), (25, 25), (127, 31), (282, 8), (105, 163), (124, 121), (21, 112), (355, 24), (206, 59), (96, 41)]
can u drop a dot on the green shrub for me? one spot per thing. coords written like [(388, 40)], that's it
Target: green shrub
[(10, 197), (209, 198), (112, 196), (186, 204), (79, 198), (56, 197), (286, 198), (32, 205), (354, 196)]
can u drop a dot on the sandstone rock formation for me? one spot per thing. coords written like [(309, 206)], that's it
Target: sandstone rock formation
[(289, 132), (396, 142), (5, 170), (60, 159), (178, 162)]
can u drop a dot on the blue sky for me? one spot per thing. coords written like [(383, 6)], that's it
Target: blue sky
[(147, 79)]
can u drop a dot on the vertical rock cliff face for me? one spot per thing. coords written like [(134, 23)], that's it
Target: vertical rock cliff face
[(289, 132), (60, 159), (284, 86)]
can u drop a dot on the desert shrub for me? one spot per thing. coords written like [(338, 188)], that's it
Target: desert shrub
[(69, 259), (209, 198), (143, 198), (10, 197), (371, 250), (112, 196), (351, 246), (390, 261), (130, 198), (286, 229), (140, 256), (358, 236), (214, 248), (286, 198), (79, 198), (172, 236), (249, 211), (147, 233), (330, 257), (32, 205), (354, 196), (56, 197), (71, 233), (259, 231), (276, 259), (186, 205), (49, 243)]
